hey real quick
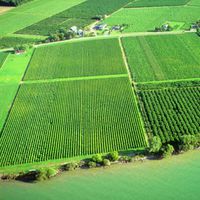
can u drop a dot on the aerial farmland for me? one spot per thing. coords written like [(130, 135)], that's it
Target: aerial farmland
[(92, 84)]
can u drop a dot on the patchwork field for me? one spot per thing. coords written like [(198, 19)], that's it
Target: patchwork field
[(171, 112), (155, 3), (166, 57), (80, 15), (146, 19), (31, 13), (71, 118), (94, 57)]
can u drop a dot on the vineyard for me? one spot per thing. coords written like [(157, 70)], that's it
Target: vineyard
[(163, 57), (96, 57), (80, 15), (171, 112), (71, 118), (154, 3)]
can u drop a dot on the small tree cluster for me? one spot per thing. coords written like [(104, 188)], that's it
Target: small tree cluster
[(60, 35), (189, 142)]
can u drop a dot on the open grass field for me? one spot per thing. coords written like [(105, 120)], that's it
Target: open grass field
[(146, 19), (156, 3), (3, 57), (71, 118), (171, 112), (80, 15), (163, 57), (87, 58), (31, 13)]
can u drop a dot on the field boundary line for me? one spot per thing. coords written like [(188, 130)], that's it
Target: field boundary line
[(168, 81), (134, 91), (74, 79)]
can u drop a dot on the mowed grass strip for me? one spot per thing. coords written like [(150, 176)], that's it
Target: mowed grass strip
[(172, 112), (154, 3), (87, 58), (66, 119), (166, 57)]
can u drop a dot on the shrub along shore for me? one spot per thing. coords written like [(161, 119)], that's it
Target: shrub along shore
[(156, 151)]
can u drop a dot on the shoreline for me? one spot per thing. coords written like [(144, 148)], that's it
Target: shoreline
[(137, 159)]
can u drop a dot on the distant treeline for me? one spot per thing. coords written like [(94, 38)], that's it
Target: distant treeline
[(12, 2)]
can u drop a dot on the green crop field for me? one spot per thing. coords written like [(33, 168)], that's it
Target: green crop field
[(11, 41), (163, 57), (71, 118), (171, 112), (154, 3), (3, 57), (93, 57), (80, 15), (146, 19), (31, 13)]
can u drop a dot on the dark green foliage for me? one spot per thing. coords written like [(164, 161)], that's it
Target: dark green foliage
[(167, 151), (92, 164), (45, 174), (7, 42), (125, 159), (155, 144), (113, 156), (97, 158), (80, 15), (171, 112), (70, 166), (188, 142), (13, 2)]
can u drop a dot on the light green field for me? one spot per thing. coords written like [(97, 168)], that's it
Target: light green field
[(175, 179), (163, 57), (31, 13), (146, 19), (87, 58), (154, 3), (10, 76), (71, 118)]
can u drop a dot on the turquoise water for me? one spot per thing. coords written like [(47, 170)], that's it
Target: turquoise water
[(177, 178)]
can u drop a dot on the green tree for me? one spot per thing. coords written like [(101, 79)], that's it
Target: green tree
[(113, 156), (155, 144), (167, 151), (92, 164), (188, 142), (97, 158), (106, 162)]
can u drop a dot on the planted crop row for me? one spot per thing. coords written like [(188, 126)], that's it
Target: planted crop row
[(80, 15), (72, 118), (88, 58), (164, 57), (171, 113)]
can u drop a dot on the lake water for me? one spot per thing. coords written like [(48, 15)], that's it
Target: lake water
[(177, 178)]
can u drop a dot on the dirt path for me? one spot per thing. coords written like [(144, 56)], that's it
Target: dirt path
[(4, 9)]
